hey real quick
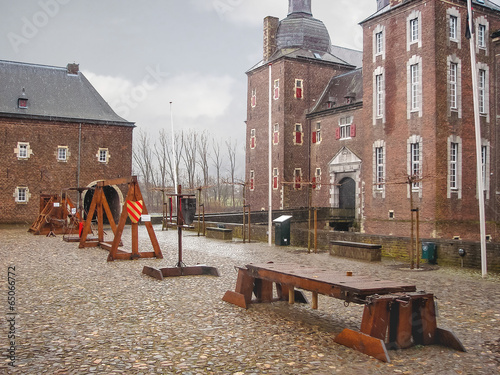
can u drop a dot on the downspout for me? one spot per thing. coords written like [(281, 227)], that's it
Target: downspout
[(79, 161)]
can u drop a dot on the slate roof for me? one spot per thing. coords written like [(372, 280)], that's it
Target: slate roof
[(304, 31), (486, 3), (340, 87), (52, 93)]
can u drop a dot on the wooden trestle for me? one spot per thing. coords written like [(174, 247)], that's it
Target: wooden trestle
[(395, 315)]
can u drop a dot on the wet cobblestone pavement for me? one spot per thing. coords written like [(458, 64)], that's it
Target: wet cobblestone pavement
[(78, 314)]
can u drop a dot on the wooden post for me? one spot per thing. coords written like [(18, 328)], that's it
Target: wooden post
[(244, 229), (314, 300), (249, 224), (291, 295), (315, 230)]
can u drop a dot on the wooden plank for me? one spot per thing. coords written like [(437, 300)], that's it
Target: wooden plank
[(263, 290), (235, 298), (363, 343), (375, 319), (244, 284), (449, 339), (153, 272)]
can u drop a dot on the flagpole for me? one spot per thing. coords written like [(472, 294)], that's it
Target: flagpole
[(173, 148), (270, 188), (477, 127)]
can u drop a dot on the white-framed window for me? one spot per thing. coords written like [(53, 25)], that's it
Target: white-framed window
[(345, 127), (252, 180), (299, 88), (316, 135), (481, 36), (482, 90), (103, 155), (316, 182), (23, 151), (379, 94), (275, 179), (379, 168), (379, 42), (415, 155), (62, 153), (276, 91), (482, 27), (21, 195), (485, 166), (297, 178), (454, 26), (414, 29), (414, 72), (298, 136), (276, 134), (454, 166), (453, 85), (253, 99), (252, 138)]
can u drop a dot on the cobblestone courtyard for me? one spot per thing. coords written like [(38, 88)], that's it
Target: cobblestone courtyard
[(78, 314)]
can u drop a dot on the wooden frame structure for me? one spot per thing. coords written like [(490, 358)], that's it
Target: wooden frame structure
[(100, 205), (395, 315), (56, 216)]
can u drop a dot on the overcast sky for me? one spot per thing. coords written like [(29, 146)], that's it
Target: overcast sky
[(142, 55)]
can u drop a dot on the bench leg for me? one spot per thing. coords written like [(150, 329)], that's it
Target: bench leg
[(242, 296)]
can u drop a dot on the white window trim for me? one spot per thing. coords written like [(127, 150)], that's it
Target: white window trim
[(455, 60), (458, 190), (27, 195), (276, 174), (17, 150), (295, 134), (276, 86), (482, 21), (377, 30), (380, 71), (415, 14), (252, 177), (317, 176), (98, 155), (414, 60), (66, 154), (486, 176), (376, 189), (458, 32), (295, 181), (486, 68), (410, 141), (253, 135), (345, 124), (301, 87), (318, 132), (253, 98)]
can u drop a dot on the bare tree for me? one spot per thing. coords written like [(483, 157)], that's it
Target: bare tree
[(217, 162), (203, 157), (231, 151), (143, 159), (189, 156), (163, 157)]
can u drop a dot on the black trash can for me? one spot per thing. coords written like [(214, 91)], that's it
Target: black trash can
[(282, 230), (429, 252)]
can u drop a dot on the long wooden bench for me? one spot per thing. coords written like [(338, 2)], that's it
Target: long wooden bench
[(218, 233), (356, 250)]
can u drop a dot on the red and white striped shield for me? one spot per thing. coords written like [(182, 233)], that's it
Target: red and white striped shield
[(134, 210)]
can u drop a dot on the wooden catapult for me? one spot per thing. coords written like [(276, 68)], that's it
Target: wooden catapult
[(134, 208), (395, 315), (58, 215), (186, 210)]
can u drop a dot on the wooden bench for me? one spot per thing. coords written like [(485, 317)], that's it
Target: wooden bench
[(218, 233), (356, 250)]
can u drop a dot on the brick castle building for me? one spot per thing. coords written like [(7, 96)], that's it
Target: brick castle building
[(379, 136), (56, 132)]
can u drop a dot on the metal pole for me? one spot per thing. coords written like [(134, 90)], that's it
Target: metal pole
[(249, 224), (477, 127), (315, 230), (412, 256), (173, 150), (270, 188), (244, 229), (417, 240), (309, 193)]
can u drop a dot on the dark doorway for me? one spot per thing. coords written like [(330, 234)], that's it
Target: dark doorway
[(113, 200), (347, 193)]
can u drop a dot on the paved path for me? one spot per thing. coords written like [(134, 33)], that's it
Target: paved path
[(78, 314)]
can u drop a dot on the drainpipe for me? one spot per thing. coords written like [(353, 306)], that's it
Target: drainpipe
[(79, 160)]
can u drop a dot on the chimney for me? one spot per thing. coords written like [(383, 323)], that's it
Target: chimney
[(270, 31), (73, 68), (299, 6)]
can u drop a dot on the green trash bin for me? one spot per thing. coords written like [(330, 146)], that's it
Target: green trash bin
[(429, 252), (282, 230)]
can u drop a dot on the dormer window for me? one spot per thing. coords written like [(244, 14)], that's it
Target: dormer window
[(22, 103)]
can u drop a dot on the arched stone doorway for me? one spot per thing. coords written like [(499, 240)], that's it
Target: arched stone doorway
[(114, 197), (347, 193)]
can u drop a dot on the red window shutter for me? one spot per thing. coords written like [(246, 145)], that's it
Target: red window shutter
[(298, 93), (298, 137), (353, 130), (276, 138), (251, 184), (276, 93), (314, 182), (252, 142), (297, 182), (275, 182), (314, 137), (254, 100), (337, 133)]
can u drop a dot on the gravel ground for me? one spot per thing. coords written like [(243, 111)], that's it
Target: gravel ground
[(78, 314)]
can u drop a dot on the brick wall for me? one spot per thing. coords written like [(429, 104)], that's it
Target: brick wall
[(42, 173)]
